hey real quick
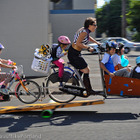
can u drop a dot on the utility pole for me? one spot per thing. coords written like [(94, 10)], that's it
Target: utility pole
[(123, 18)]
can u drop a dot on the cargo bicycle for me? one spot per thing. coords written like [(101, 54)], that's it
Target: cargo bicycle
[(72, 84)]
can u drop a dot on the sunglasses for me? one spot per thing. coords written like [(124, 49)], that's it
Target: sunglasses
[(94, 25)]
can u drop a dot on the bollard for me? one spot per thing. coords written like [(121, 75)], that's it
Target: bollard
[(48, 113)]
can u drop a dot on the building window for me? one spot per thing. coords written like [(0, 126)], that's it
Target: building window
[(63, 5)]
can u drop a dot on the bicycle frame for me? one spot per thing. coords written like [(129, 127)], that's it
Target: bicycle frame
[(9, 85), (68, 68), (75, 71), (70, 89), (15, 78)]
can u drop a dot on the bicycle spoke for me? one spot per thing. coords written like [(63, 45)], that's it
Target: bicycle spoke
[(33, 93), (58, 95)]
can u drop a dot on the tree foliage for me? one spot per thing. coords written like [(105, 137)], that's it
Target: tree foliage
[(110, 15), (109, 18), (133, 18)]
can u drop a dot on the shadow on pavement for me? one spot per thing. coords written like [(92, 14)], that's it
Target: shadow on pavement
[(17, 122)]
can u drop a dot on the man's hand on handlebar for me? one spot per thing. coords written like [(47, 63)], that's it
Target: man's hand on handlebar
[(100, 47), (90, 49)]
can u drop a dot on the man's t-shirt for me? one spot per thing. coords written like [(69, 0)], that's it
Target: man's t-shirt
[(107, 61)]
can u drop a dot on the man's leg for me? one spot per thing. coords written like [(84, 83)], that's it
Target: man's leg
[(123, 72)]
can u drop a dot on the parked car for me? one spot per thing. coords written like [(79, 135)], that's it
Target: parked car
[(128, 45)]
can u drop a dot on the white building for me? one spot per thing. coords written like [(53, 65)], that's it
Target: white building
[(69, 15), (27, 24)]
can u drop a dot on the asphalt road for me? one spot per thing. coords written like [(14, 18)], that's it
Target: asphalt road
[(117, 119)]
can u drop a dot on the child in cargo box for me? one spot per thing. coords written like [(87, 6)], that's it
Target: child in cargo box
[(136, 71), (107, 63)]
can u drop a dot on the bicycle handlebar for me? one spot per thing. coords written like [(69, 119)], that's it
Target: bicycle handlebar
[(101, 48), (18, 70), (11, 62)]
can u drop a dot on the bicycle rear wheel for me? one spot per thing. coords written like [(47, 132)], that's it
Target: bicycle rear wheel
[(53, 87), (29, 95)]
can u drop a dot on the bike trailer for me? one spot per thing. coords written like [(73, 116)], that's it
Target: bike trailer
[(122, 86)]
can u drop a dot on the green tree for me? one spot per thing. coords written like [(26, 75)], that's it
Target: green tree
[(133, 18), (109, 18)]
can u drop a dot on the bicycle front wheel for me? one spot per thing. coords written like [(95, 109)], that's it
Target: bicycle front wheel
[(53, 87), (28, 92)]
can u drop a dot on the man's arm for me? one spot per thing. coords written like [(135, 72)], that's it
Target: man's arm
[(107, 71), (93, 40)]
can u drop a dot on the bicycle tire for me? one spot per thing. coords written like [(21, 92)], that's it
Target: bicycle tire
[(33, 93), (53, 83)]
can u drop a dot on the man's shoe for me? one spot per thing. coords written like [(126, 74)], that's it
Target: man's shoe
[(92, 92)]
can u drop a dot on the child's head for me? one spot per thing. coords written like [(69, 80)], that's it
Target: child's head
[(63, 41), (1, 47), (111, 47), (120, 49), (138, 61)]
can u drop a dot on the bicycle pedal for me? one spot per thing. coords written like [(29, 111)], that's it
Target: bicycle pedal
[(85, 93), (11, 96)]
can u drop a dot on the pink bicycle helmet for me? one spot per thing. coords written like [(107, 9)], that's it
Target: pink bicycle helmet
[(64, 40)]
